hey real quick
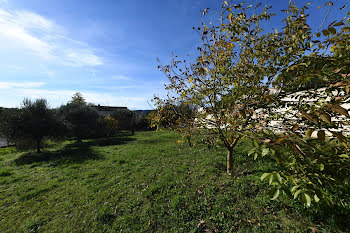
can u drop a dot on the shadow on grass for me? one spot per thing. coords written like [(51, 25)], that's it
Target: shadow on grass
[(75, 152)]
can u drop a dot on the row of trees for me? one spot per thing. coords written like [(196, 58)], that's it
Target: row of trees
[(33, 123), (229, 84)]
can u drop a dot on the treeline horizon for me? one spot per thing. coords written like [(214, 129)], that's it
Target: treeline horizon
[(29, 126)]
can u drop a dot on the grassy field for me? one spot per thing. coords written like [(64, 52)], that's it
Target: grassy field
[(146, 183)]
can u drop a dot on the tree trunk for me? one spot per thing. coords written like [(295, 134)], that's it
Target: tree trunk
[(230, 155), (229, 161), (38, 146), (189, 141), (133, 132)]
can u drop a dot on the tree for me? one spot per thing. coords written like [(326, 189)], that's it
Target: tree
[(29, 126), (78, 98), (227, 82), (230, 81), (126, 119), (175, 116), (317, 164), (81, 118), (106, 126)]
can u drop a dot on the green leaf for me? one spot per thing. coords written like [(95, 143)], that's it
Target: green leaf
[(307, 199), (325, 32), (277, 193), (271, 179), (251, 152), (255, 156), (344, 156), (332, 30), (279, 178), (295, 187), (339, 24), (264, 176), (297, 193), (321, 166), (316, 198), (265, 151)]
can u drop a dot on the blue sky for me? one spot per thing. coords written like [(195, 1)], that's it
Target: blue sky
[(104, 49)]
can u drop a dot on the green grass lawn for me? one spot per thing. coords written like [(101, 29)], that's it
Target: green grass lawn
[(146, 183)]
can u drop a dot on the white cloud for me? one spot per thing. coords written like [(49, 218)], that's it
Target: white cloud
[(34, 34), (120, 77), (82, 57), (57, 97), (10, 85)]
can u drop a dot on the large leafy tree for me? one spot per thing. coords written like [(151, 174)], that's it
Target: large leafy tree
[(230, 81)]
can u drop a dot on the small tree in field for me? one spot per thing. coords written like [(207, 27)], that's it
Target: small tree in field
[(228, 81), (29, 126)]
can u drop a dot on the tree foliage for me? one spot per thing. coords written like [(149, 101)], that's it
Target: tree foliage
[(30, 125), (230, 85), (126, 119), (81, 120), (316, 125), (78, 98)]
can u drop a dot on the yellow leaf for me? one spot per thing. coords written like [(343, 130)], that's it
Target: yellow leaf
[(321, 135), (297, 149), (306, 115), (325, 117), (338, 109), (295, 127), (340, 136), (308, 132)]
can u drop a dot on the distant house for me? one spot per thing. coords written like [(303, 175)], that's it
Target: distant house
[(107, 110)]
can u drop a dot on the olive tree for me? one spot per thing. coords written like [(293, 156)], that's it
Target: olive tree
[(81, 119), (30, 125), (126, 119)]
